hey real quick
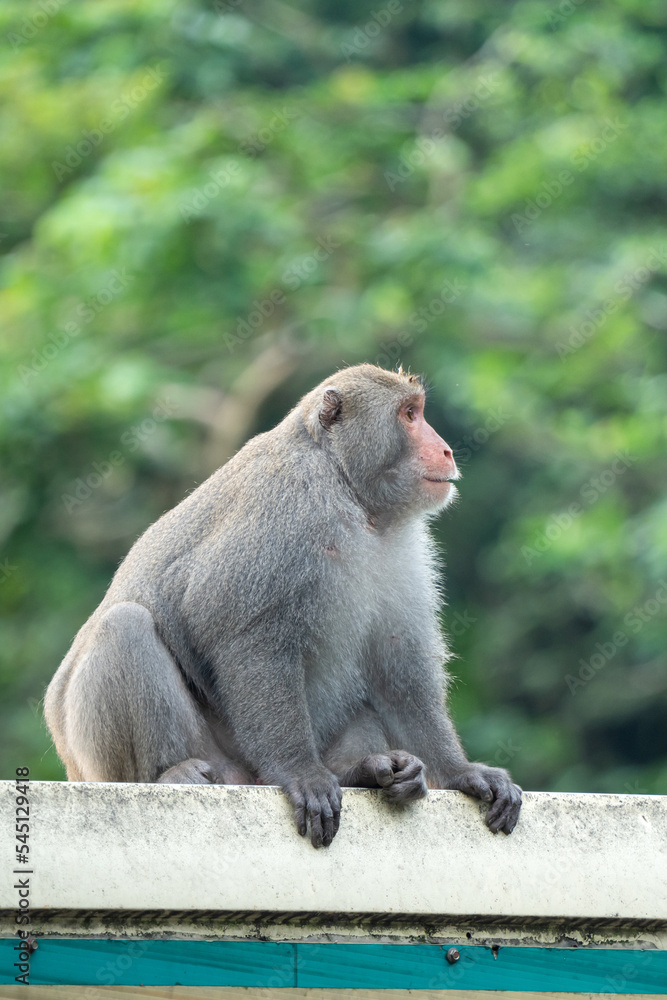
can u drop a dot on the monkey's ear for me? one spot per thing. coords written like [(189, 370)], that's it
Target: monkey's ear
[(330, 408), (321, 409)]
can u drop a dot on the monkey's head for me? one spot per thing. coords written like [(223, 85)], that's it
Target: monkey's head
[(371, 421)]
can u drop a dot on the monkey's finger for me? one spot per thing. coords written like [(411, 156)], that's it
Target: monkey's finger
[(375, 769), (501, 817), (326, 813), (298, 801), (512, 812), (383, 770), (406, 791), (300, 816), (497, 815), (503, 799), (411, 771), (504, 812), (335, 802), (509, 825), (400, 759), (474, 784), (316, 834), (513, 820), (394, 793)]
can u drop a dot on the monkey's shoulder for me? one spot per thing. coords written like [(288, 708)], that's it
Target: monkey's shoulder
[(269, 476)]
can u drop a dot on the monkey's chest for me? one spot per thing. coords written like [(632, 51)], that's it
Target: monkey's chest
[(336, 683), (361, 607)]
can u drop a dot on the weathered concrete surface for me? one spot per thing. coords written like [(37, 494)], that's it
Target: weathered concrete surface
[(119, 847)]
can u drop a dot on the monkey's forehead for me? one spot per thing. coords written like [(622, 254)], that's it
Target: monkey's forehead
[(367, 375)]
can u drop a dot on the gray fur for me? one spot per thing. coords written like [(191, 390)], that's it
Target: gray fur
[(281, 625)]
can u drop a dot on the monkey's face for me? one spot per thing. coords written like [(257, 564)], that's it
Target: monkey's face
[(372, 422), (432, 459)]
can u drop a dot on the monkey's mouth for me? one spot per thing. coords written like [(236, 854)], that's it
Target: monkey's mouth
[(432, 479)]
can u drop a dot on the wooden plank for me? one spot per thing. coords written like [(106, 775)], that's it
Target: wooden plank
[(282, 966)]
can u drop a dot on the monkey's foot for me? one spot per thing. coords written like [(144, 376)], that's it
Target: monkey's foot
[(399, 774), (189, 772), (493, 785)]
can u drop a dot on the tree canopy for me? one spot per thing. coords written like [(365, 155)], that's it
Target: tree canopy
[(206, 207)]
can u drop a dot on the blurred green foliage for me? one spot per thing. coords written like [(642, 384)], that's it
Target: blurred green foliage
[(207, 207)]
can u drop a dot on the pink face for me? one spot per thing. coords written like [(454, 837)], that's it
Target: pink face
[(434, 458)]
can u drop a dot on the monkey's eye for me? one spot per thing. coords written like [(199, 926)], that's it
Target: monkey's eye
[(410, 413)]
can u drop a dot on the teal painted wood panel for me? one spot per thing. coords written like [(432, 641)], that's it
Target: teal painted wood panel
[(75, 961), (528, 969), (371, 966)]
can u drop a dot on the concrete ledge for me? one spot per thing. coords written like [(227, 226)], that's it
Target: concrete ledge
[(118, 849)]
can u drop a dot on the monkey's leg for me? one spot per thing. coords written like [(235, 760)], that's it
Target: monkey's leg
[(361, 758), (126, 712)]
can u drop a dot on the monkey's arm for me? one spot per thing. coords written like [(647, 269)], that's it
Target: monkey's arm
[(417, 720), (251, 605), (262, 693), (434, 740), (451, 769)]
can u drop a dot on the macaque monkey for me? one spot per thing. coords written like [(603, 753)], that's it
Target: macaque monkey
[(281, 624)]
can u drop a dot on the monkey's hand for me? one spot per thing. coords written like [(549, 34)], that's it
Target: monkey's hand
[(493, 785), (316, 798), (397, 773)]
